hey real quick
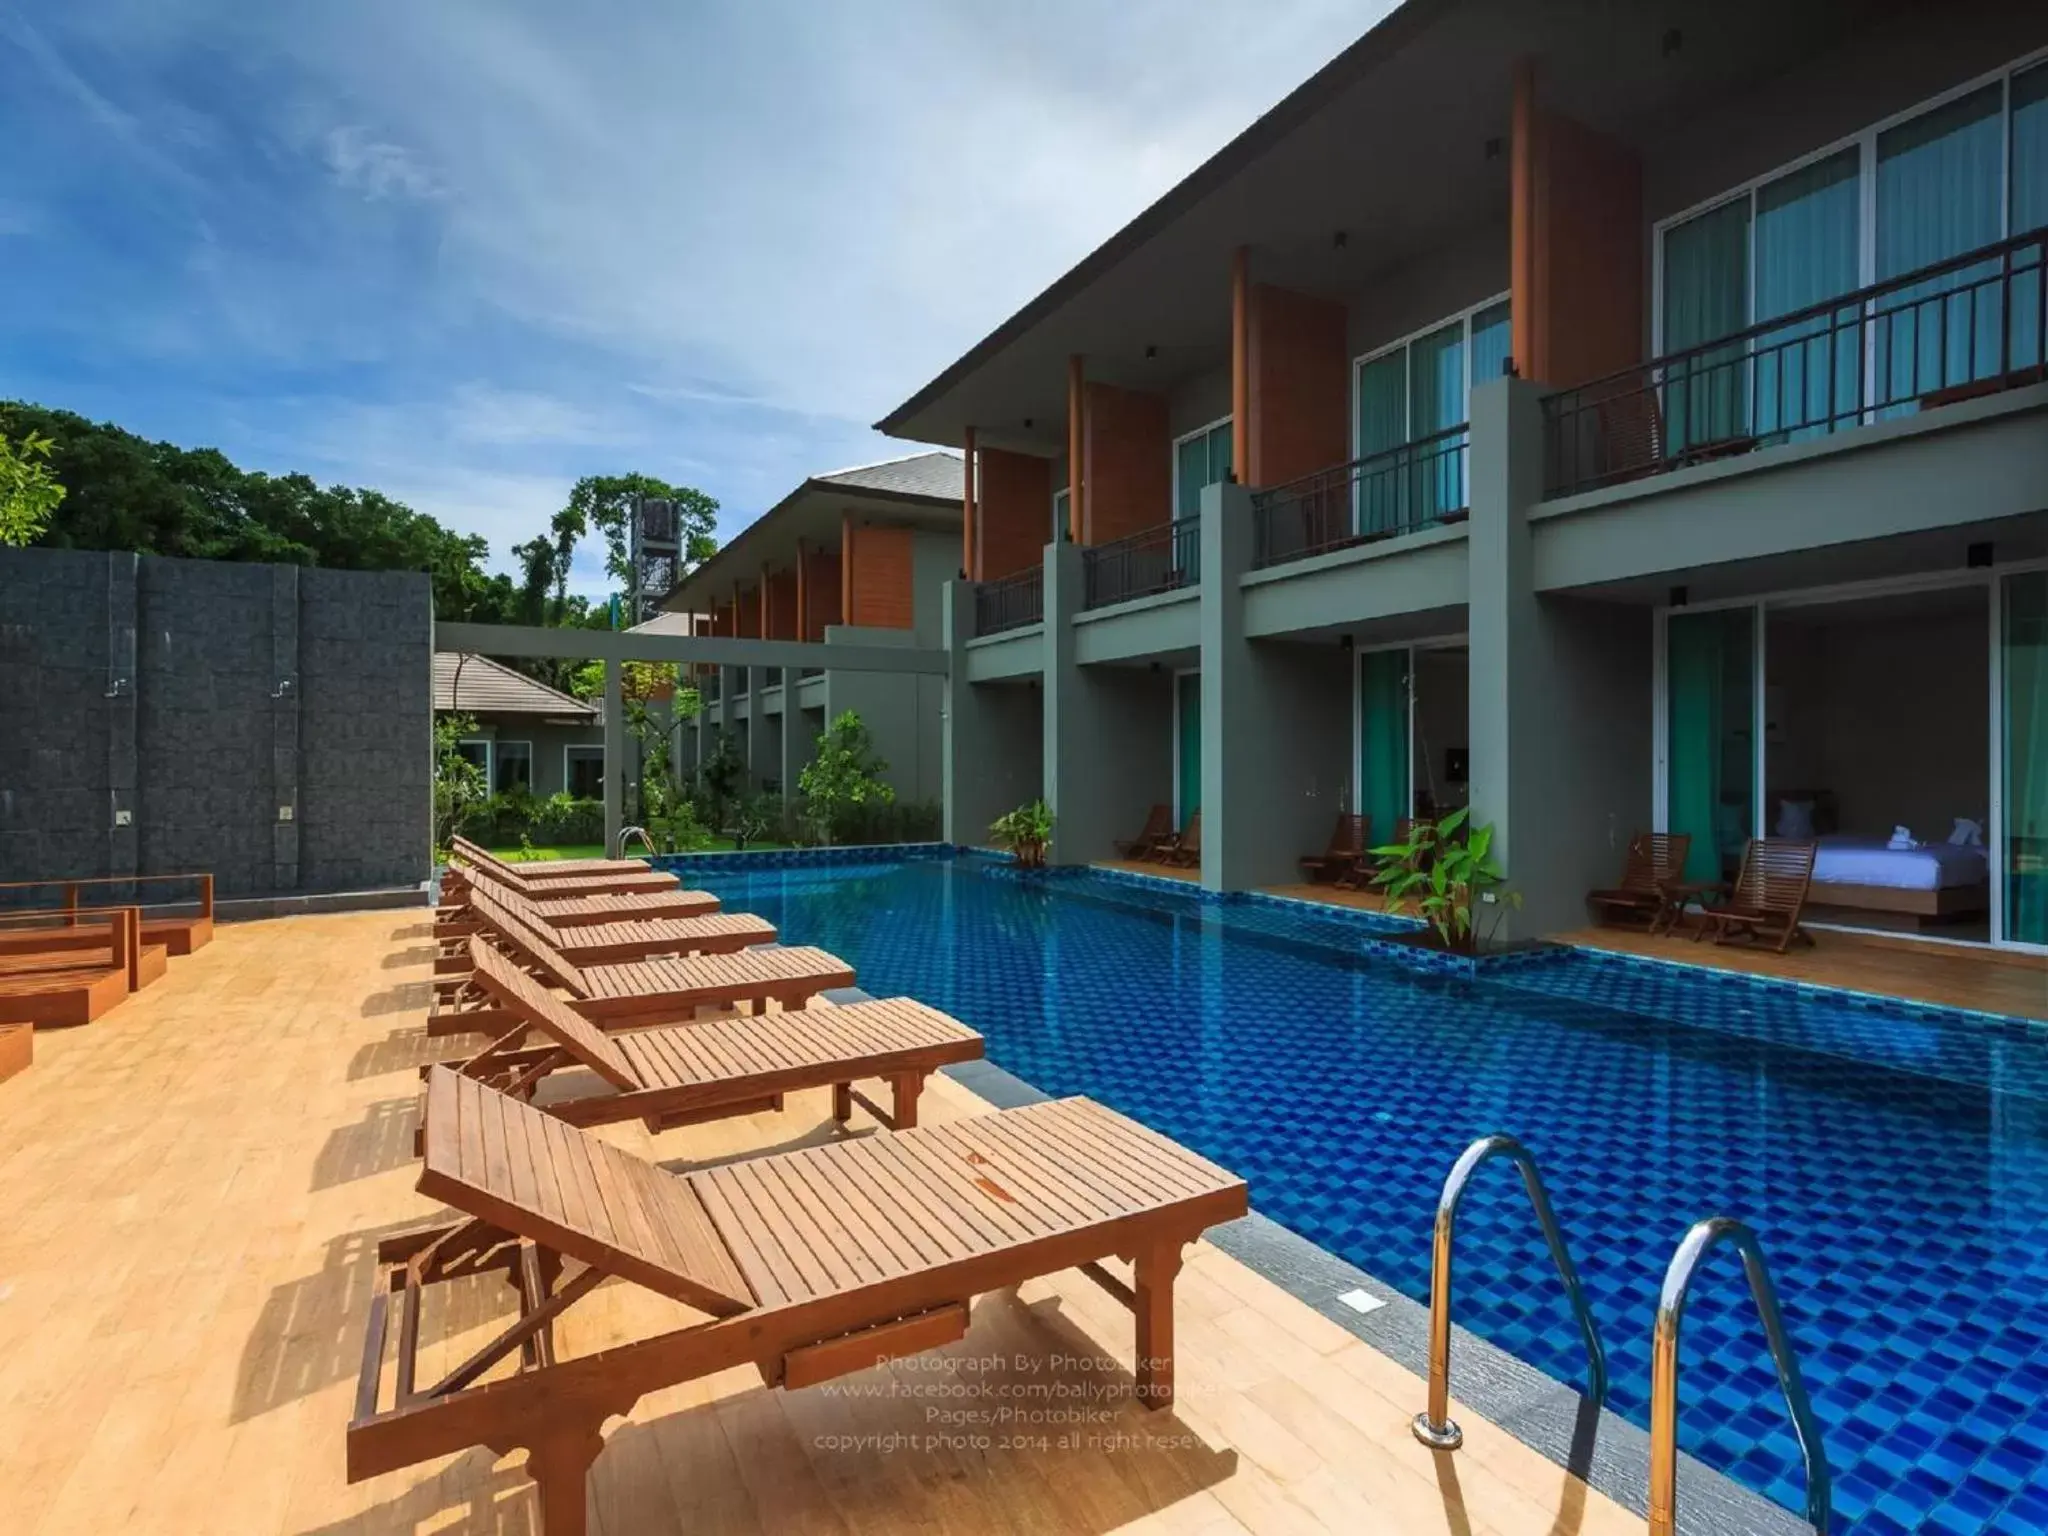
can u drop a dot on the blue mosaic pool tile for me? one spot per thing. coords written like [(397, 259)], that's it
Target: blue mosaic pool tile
[(1894, 1159)]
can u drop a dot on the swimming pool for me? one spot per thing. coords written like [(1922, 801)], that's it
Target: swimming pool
[(1897, 1167)]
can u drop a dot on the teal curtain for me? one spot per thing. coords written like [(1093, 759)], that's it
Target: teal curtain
[(1382, 424), (1492, 339), (1383, 740), (1709, 764), (1190, 687), (2025, 797), (1806, 237), (1940, 192), (1436, 400), (2029, 207), (1219, 454), (1706, 296), (1191, 474)]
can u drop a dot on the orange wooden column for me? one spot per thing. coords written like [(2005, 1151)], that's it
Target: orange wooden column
[(1077, 482), (1241, 366), (767, 601), (967, 550), (846, 567), (1522, 223), (803, 591)]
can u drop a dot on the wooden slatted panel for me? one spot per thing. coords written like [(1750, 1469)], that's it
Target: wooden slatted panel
[(871, 1038), (719, 978), (497, 1158), (543, 1011), (578, 911), (530, 942), (715, 930), (806, 1224), (1775, 874)]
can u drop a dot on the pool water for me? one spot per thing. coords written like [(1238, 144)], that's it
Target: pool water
[(1896, 1167)]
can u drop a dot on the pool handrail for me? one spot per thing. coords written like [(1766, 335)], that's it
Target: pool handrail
[(1694, 1247), (1434, 1426)]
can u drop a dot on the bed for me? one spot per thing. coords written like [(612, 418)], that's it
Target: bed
[(1935, 880)]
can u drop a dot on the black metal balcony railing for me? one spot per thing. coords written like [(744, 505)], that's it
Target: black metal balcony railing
[(1968, 326), (1162, 559), (1011, 603), (708, 684), (1400, 490)]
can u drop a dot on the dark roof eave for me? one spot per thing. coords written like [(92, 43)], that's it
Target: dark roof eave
[(1395, 30)]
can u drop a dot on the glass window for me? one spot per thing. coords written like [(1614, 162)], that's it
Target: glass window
[(1414, 391), (515, 768), (1061, 502), (1710, 735), (2025, 765), (1807, 235), (1492, 339), (583, 767), (1200, 459), (476, 750)]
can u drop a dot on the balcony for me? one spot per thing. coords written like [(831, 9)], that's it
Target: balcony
[(1400, 490), (1011, 603), (1963, 328), (1162, 559)]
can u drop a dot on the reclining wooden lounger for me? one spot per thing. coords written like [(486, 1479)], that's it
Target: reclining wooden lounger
[(74, 985), (1154, 835), (559, 912), (691, 1072), (637, 993), (807, 1265), (1350, 837), (1655, 862), (166, 920), (542, 870), (622, 939), (1769, 894), (1185, 849), (589, 883)]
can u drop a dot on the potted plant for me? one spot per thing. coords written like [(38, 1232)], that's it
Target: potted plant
[(1026, 832), (1439, 874)]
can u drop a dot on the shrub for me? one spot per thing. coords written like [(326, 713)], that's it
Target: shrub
[(1439, 873), (1025, 832), (843, 784)]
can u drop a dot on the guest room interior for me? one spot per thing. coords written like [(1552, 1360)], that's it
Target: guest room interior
[(1877, 744)]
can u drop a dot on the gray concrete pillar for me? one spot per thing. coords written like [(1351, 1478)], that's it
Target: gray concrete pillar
[(614, 755), (761, 751), (993, 758), (790, 737), (1560, 690), (123, 780), (284, 726)]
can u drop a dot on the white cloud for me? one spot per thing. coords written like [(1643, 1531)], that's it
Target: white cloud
[(376, 169)]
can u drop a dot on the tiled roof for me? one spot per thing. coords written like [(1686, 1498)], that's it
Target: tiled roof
[(487, 687), (921, 474)]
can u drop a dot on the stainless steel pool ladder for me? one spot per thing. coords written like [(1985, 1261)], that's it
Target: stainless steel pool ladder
[(1434, 1426), (632, 832), (1664, 1372)]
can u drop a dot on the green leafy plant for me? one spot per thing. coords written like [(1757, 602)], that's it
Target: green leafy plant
[(29, 492), (527, 851), (1440, 873), (844, 782), (459, 784), (1026, 832), (719, 777), (754, 818)]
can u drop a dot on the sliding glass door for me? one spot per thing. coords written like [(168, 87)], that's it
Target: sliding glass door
[(2023, 754), (1384, 755), (1710, 735), (1187, 712)]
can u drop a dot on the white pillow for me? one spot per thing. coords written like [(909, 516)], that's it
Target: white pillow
[(1795, 819)]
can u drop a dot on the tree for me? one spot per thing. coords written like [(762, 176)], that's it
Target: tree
[(29, 493), (845, 779), (459, 784), (604, 503)]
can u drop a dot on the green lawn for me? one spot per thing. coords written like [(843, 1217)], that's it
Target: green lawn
[(515, 854)]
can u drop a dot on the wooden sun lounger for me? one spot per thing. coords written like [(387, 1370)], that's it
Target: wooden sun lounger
[(1768, 895), (715, 933), (627, 875), (178, 932), (1185, 850), (691, 1072), (1654, 863), (808, 1265), (1349, 839), (76, 985), (563, 912), (1154, 835), (637, 993), (543, 871)]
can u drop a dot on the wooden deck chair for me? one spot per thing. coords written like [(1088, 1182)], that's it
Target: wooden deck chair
[(1158, 830), (1769, 894), (559, 913), (633, 875), (1184, 850), (543, 871), (1359, 875), (1349, 839), (807, 1265), (1655, 862), (691, 1072), (635, 993), (178, 921), (71, 985), (715, 933)]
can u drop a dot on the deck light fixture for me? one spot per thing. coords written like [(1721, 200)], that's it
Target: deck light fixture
[(1678, 597), (1151, 352), (1340, 239), (1674, 42), (1980, 556)]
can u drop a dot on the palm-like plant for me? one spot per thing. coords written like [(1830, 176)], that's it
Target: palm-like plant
[(1439, 873), (1025, 832)]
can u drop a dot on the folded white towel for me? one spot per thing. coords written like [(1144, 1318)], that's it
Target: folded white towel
[(1968, 833), (1902, 838)]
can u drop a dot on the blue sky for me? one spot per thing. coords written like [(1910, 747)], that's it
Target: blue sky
[(465, 251)]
